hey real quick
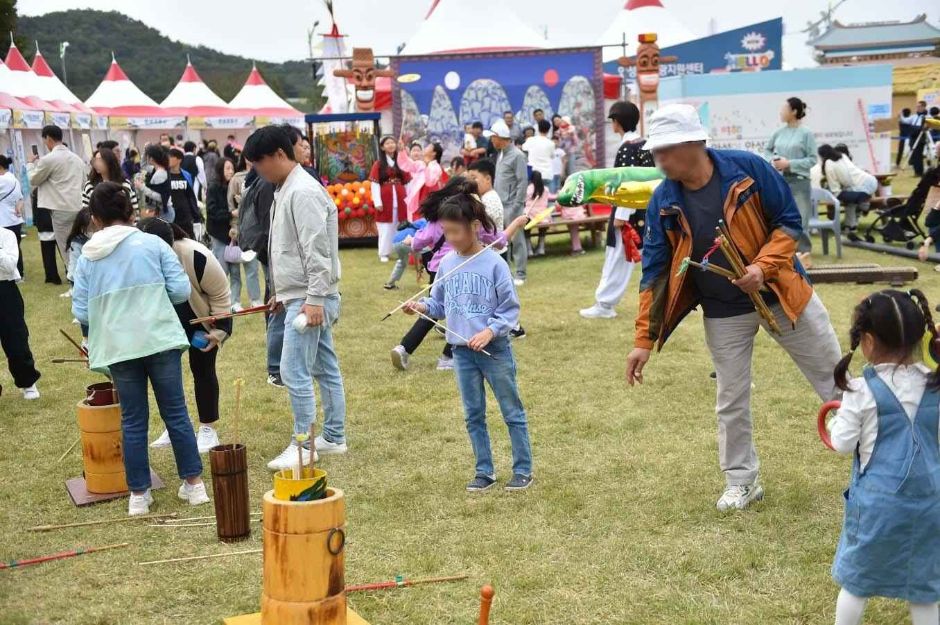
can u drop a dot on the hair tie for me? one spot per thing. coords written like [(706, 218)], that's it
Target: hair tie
[(476, 197)]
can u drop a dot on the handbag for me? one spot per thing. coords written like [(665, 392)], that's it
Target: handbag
[(232, 253)]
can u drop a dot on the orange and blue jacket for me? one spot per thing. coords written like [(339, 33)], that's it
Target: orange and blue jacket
[(764, 222)]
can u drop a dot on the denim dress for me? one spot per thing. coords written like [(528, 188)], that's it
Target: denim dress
[(890, 543)]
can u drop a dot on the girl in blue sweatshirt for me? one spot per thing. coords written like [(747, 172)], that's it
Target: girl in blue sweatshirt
[(480, 304)]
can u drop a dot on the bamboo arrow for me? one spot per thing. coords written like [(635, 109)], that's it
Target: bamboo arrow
[(401, 582), (15, 564)]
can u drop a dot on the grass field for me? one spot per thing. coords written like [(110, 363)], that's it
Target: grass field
[(620, 526)]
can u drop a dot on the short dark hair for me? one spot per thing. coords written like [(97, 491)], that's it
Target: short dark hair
[(52, 132), (175, 153), (110, 204), (544, 126), (108, 144), (157, 153), (508, 113), (456, 162), (267, 141), (484, 166), (294, 133), (626, 114), (919, 103), (905, 112), (934, 111), (537, 111), (477, 125), (189, 146), (5, 161)]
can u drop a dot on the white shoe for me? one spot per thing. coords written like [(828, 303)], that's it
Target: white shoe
[(139, 504), (400, 358), (237, 308), (519, 282), (326, 448), (256, 302), (66, 294), (31, 392), (445, 364), (195, 494), (598, 312), (162, 441), (383, 259), (740, 496), (206, 438), (288, 458)]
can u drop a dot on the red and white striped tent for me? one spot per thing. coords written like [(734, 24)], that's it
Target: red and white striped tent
[(58, 92), (126, 106), (10, 103), (191, 97), (258, 100), (23, 84)]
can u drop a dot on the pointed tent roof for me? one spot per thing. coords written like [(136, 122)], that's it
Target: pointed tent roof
[(257, 98), (644, 16), (8, 101), (455, 26), (117, 95), (58, 90), (23, 84), (48, 86), (191, 96)]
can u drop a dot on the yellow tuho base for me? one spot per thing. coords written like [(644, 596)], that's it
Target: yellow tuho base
[(255, 619)]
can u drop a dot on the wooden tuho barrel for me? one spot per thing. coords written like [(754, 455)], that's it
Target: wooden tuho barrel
[(100, 428), (304, 564), (230, 492), (101, 394)]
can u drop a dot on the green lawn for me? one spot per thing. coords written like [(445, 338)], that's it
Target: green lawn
[(620, 526)]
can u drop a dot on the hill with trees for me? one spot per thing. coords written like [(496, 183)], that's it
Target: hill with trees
[(152, 60)]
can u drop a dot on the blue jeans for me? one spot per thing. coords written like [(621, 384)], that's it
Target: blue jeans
[(310, 356), (274, 325), (166, 377), (472, 368)]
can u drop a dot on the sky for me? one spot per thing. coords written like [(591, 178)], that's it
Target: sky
[(276, 30)]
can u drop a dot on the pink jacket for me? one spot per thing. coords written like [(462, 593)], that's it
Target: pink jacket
[(429, 236), (422, 175)]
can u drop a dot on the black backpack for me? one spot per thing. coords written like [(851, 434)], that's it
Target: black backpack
[(254, 221)]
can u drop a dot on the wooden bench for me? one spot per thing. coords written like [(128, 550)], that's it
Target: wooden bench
[(595, 224)]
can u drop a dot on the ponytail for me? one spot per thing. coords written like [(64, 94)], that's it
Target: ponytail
[(841, 372), (933, 382)]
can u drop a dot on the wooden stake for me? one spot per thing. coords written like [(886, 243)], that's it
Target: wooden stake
[(66, 452), (127, 519), (208, 557), (486, 601), (239, 383)]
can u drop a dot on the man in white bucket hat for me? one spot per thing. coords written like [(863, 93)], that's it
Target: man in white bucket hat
[(704, 186)]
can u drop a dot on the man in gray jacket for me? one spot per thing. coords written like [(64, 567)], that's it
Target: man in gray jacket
[(58, 178), (512, 179), (303, 252)]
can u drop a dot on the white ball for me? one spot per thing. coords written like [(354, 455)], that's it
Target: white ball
[(451, 80)]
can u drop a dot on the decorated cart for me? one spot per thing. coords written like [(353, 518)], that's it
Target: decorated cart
[(344, 147)]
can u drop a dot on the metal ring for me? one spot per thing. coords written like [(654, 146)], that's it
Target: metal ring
[(329, 541)]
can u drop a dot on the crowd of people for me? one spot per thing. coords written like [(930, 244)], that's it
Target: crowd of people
[(141, 275)]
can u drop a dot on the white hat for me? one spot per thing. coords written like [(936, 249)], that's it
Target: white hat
[(500, 129), (673, 124)]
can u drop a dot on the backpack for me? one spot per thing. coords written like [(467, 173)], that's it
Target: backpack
[(254, 221)]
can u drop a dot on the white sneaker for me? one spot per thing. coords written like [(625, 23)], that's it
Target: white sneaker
[(195, 494), (139, 504), (598, 312), (740, 496), (206, 438), (400, 358), (326, 448), (237, 308), (256, 302), (288, 458), (162, 441), (66, 294), (383, 259), (445, 364), (31, 392), (519, 282)]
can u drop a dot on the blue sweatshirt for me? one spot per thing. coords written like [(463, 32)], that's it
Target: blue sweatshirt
[(479, 295), (409, 231)]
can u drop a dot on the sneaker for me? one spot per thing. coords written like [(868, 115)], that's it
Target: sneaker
[(598, 312), (288, 458), (400, 358), (517, 333), (274, 379), (256, 302), (740, 496), (66, 294), (519, 281), (206, 438), (481, 483), (31, 392), (237, 308), (445, 364), (139, 504), (519, 482), (576, 253), (326, 447), (383, 259), (195, 494), (388, 286), (162, 441)]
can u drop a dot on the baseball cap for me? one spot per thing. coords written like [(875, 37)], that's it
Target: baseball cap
[(673, 124), (500, 129)]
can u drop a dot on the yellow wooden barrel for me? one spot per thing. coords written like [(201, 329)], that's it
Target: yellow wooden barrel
[(304, 564), (100, 428)]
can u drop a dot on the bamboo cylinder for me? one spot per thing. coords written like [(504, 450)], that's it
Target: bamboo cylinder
[(102, 458), (229, 465), (304, 564)]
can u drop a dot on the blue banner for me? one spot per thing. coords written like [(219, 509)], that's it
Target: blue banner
[(750, 48)]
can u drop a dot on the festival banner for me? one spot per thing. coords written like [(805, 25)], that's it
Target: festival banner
[(145, 123), (6, 118), (754, 47), (56, 118), (81, 121), (265, 120), (225, 123), (28, 119)]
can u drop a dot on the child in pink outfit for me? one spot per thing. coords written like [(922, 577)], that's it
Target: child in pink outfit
[(537, 198)]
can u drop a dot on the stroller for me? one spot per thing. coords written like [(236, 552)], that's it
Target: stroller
[(897, 222)]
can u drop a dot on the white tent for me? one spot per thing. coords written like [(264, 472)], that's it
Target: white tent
[(644, 16), (22, 83), (256, 98), (457, 26), (117, 95), (55, 87), (192, 97)]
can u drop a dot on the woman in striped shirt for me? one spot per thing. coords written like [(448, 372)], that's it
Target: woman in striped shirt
[(106, 168)]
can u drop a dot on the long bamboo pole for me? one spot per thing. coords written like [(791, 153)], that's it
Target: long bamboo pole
[(445, 329), (81, 350), (15, 564), (143, 517), (66, 452), (208, 557), (404, 583), (241, 313)]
